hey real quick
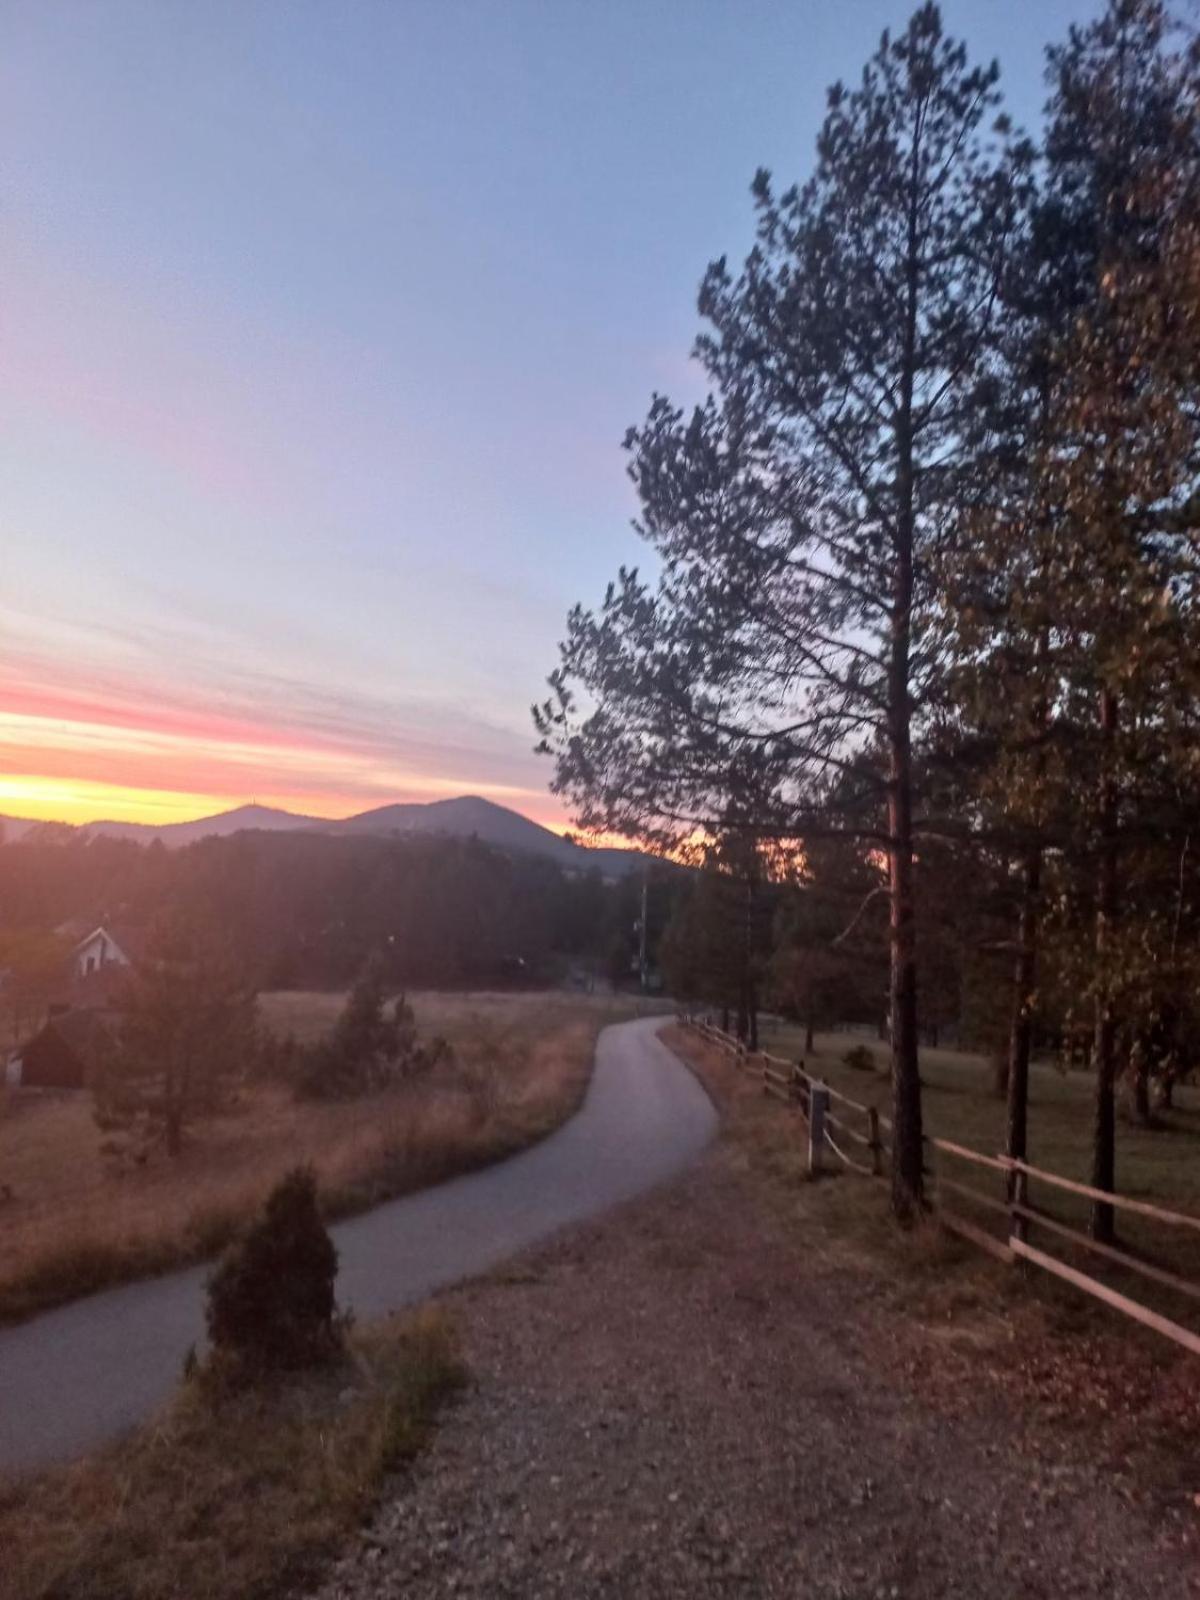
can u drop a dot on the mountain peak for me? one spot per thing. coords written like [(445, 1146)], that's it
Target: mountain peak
[(459, 816)]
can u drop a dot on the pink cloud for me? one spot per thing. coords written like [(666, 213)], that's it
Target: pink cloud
[(332, 748)]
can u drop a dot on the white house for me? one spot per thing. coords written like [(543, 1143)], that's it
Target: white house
[(100, 949)]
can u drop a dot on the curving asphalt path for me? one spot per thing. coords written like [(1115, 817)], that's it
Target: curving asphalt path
[(77, 1377)]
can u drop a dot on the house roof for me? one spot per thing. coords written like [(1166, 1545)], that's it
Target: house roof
[(131, 939)]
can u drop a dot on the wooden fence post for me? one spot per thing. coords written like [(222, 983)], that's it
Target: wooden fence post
[(1018, 1227), (818, 1104), (876, 1147)]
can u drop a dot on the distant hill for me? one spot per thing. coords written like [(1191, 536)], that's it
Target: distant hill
[(242, 819), (467, 816), (14, 828)]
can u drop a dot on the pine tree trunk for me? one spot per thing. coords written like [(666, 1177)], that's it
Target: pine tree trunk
[(748, 985), (907, 1141), (1020, 1039), (1139, 1065), (1013, 1064), (745, 1003), (1104, 1123), (1104, 1050)]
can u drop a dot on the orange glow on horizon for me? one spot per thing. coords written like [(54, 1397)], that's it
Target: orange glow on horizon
[(67, 758), (80, 800), (593, 841), (33, 798), (36, 798)]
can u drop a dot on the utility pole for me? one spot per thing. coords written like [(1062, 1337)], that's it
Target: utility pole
[(642, 970)]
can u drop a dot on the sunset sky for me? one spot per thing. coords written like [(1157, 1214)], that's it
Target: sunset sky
[(322, 323)]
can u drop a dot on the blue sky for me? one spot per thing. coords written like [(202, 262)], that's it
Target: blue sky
[(322, 326)]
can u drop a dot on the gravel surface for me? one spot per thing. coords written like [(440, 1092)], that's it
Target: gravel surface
[(680, 1400)]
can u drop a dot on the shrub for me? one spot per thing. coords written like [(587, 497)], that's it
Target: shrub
[(859, 1058), (322, 1072), (275, 1058), (367, 1049), (270, 1300)]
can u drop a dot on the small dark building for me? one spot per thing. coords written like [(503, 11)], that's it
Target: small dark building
[(60, 1055)]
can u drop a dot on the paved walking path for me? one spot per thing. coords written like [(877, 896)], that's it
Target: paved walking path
[(78, 1376)]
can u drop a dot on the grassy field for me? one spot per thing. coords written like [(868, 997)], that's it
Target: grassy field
[(236, 1496), (1159, 1163), (74, 1223)]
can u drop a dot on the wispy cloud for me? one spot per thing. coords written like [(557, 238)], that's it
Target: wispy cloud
[(135, 716)]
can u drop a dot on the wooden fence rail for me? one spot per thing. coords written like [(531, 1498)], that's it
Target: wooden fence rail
[(833, 1131)]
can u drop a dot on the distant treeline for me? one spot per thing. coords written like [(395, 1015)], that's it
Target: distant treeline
[(308, 910)]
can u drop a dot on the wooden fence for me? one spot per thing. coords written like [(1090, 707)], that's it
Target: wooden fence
[(838, 1125)]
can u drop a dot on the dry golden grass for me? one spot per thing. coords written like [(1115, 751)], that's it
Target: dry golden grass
[(75, 1223), (235, 1496)]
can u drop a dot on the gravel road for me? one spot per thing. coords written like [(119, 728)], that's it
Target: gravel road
[(682, 1400), (79, 1376)]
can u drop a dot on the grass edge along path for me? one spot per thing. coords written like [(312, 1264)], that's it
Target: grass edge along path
[(240, 1496)]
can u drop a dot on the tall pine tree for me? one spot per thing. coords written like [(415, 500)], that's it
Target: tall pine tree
[(798, 513)]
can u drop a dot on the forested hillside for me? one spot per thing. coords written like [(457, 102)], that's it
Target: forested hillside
[(309, 909)]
